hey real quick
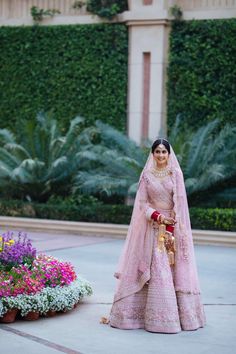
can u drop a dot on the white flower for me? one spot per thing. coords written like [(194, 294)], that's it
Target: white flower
[(60, 298)]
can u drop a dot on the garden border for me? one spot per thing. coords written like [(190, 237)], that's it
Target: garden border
[(201, 237)]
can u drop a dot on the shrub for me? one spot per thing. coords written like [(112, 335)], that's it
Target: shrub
[(107, 8), (42, 162), (201, 218), (213, 219)]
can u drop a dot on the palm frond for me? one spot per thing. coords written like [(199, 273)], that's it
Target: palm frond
[(22, 176), (206, 180), (199, 141), (88, 136), (60, 169), (5, 172), (8, 159), (55, 148), (72, 136), (208, 157), (6, 137), (42, 158), (102, 184), (87, 158), (133, 189), (115, 140), (34, 168), (27, 137), (18, 151), (42, 144)]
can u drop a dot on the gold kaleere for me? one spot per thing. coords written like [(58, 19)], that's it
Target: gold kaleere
[(166, 243), (171, 257), (161, 238), (171, 250)]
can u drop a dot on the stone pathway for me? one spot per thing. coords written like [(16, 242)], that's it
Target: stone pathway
[(79, 331)]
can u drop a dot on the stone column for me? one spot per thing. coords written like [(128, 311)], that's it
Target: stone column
[(148, 48)]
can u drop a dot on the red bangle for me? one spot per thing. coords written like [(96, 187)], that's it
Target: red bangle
[(155, 215), (170, 228)]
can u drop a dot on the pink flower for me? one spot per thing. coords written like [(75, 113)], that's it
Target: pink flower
[(45, 271)]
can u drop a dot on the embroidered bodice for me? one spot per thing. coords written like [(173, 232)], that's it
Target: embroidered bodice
[(157, 193)]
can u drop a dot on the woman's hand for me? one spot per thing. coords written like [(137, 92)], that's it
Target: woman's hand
[(162, 219), (169, 221)]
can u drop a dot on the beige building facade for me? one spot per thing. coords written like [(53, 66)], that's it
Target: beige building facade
[(149, 25)]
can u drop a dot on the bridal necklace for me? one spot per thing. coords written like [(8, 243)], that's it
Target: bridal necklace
[(161, 172)]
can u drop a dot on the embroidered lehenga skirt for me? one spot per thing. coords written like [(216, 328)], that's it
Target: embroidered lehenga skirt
[(157, 307)]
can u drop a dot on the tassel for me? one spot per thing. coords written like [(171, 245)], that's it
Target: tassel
[(171, 257), (171, 250), (174, 243)]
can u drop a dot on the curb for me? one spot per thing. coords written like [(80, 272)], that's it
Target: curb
[(201, 237)]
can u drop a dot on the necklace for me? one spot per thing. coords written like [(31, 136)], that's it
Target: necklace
[(161, 172)]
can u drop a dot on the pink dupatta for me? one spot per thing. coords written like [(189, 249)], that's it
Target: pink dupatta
[(135, 261)]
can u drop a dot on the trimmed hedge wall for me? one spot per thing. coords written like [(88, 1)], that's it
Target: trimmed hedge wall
[(203, 219), (213, 219), (82, 69), (202, 71), (72, 70), (105, 213)]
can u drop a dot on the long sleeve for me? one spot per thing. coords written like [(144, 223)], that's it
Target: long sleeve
[(144, 200), (146, 207)]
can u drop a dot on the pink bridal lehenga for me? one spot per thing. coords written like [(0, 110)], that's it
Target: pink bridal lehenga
[(152, 293)]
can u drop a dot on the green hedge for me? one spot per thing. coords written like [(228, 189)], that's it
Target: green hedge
[(205, 219), (213, 219), (75, 69), (202, 71), (105, 213)]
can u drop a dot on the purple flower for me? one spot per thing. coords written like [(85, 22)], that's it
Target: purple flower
[(20, 252)]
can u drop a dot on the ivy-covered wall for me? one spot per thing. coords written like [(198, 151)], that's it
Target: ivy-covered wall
[(72, 70), (82, 69), (202, 71)]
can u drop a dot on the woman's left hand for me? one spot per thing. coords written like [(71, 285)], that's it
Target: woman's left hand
[(169, 221)]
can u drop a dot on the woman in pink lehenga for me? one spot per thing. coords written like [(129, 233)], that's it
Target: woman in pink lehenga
[(158, 287)]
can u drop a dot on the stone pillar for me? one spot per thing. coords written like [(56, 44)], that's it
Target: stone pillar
[(148, 48)]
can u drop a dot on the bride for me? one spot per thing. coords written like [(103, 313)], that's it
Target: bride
[(158, 287)]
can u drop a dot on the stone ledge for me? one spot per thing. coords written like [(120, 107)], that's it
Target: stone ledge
[(201, 237)]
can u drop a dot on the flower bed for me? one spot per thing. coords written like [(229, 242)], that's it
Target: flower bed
[(40, 284)]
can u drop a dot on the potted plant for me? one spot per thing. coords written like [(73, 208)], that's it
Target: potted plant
[(35, 285)]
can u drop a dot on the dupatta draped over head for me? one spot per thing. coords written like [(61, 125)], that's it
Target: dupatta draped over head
[(135, 261)]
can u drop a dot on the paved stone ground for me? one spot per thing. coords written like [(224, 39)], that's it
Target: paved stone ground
[(79, 331)]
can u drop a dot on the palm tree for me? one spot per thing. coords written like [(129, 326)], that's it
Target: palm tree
[(207, 158), (43, 162), (117, 163)]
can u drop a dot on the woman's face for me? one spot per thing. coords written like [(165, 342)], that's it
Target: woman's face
[(161, 156)]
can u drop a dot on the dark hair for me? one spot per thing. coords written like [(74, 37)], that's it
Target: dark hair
[(163, 142)]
